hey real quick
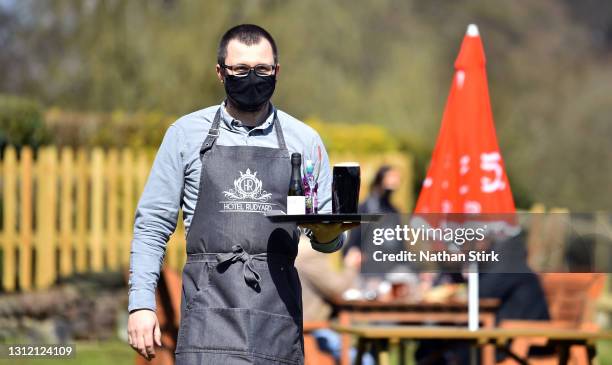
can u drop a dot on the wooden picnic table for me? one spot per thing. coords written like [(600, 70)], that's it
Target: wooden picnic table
[(409, 311), (393, 335)]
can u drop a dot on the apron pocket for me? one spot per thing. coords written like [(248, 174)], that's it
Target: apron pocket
[(275, 336), (196, 278), (214, 330)]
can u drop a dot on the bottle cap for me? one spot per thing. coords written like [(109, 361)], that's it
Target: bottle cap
[(296, 158)]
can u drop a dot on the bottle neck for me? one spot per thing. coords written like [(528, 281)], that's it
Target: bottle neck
[(295, 171)]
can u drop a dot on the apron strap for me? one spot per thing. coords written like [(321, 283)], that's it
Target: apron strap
[(279, 132), (213, 133)]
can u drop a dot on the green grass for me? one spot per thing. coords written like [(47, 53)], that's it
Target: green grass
[(112, 352), (604, 352)]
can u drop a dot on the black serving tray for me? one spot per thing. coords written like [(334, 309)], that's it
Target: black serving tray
[(280, 217)]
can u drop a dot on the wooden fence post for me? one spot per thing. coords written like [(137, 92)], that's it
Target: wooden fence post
[(82, 210), (66, 211), (9, 233), (45, 244), (97, 209), (25, 228), (112, 220)]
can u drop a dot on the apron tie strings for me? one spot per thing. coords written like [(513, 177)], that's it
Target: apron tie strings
[(251, 276)]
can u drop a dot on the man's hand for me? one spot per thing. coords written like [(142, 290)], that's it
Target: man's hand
[(143, 327), (326, 232)]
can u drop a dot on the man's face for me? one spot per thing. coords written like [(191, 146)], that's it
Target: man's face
[(255, 54)]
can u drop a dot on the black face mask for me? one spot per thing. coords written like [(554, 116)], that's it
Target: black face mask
[(251, 92)]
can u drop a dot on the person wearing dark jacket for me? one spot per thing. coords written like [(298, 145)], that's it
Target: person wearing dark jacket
[(384, 184)]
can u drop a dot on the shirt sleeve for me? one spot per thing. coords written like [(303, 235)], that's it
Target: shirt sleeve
[(324, 181), (155, 220), (330, 247)]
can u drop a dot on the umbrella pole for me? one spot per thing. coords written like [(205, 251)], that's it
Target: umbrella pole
[(473, 308), (473, 299)]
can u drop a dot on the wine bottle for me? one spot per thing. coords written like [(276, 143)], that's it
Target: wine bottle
[(296, 201)]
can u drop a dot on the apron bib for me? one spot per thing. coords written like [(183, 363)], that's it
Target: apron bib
[(241, 300)]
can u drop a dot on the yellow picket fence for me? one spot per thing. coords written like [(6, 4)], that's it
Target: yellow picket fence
[(68, 211), (71, 211)]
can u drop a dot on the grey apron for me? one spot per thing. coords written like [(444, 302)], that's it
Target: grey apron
[(241, 301)]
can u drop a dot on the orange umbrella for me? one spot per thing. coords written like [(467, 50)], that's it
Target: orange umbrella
[(466, 173)]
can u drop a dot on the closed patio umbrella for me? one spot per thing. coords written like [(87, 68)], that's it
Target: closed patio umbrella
[(466, 173)]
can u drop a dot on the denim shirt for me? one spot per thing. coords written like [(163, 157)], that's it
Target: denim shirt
[(173, 183)]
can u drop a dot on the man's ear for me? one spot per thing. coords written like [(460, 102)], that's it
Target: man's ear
[(219, 72), (277, 70)]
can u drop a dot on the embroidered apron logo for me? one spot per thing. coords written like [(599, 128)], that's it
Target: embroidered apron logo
[(247, 195)]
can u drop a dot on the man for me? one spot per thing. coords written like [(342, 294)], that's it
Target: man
[(226, 165)]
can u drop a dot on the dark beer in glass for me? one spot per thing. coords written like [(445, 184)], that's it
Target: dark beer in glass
[(345, 187)]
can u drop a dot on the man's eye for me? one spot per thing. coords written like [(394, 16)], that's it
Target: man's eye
[(263, 69), (241, 70)]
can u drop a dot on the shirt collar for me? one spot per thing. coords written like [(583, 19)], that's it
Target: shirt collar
[(232, 123)]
